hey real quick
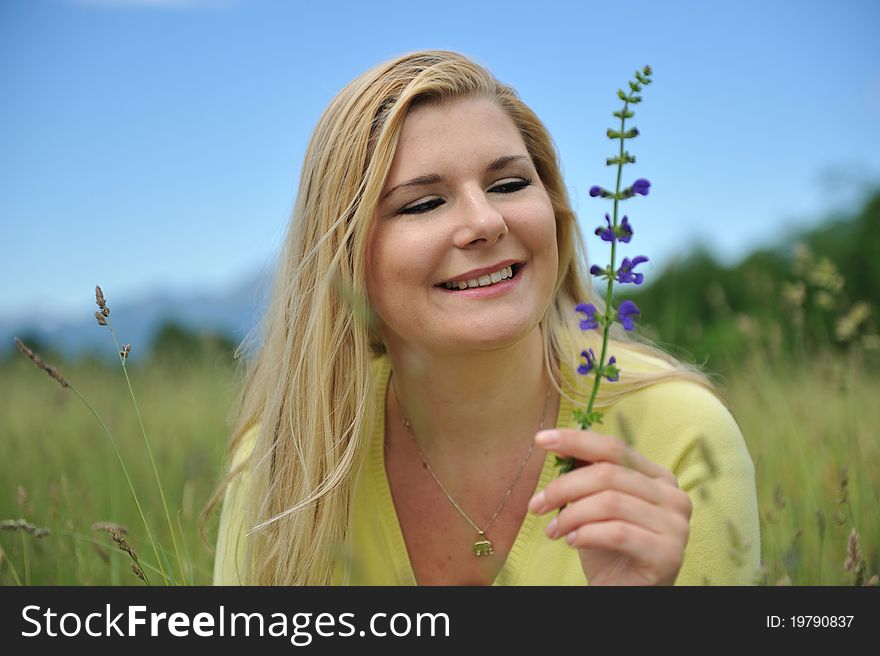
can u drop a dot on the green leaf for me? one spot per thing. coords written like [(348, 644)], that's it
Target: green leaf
[(613, 134), (622, 95), (635, 86), (565, 465), (626, 114)]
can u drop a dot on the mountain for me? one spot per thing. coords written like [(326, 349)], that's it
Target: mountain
[(232, 313)]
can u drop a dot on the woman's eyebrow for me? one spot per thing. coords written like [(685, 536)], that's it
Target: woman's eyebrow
[(434, 178)]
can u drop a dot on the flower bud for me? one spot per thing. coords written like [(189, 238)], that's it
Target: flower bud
[(641, 186)]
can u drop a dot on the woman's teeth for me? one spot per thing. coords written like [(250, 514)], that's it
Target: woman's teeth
[(482, 281)]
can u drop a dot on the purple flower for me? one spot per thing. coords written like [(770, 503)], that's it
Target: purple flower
[(626, 312), (612, 373), (625, 273), (590, 310), (641, 186), (596, 190), (607, 234), (596, 270), (585, 368), (625, 230)]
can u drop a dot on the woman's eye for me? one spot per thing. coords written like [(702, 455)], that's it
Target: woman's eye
[(422, 207), (510, 187), (428, 205)]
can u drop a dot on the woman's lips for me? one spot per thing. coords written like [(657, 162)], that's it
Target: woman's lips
[(489, 291)]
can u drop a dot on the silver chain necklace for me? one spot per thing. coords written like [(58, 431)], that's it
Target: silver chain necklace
[(482, 546)]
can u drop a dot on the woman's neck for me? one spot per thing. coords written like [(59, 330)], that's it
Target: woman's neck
[(472, 403)]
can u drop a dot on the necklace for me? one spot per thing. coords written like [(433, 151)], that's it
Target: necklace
[(482, 546)]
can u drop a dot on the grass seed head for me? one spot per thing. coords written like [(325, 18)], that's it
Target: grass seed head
[(37, 360), (99, 299), (138, 572), (23, 525), (117, 534), (853, 552)]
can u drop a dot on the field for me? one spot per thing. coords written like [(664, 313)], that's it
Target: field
[(811, 428)]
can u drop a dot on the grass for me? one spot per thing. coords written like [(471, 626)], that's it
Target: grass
[(59, 470), (810, 425)]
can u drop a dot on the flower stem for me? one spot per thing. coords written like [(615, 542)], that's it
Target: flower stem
[(609, 294), (137, 411), (127, 477)]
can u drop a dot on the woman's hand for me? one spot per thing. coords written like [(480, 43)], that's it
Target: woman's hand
[(625, 514)]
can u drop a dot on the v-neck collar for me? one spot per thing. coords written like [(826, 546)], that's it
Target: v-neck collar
[(523, 544)]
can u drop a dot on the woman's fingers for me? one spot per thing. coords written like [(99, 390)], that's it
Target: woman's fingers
[(614, 505), (600, 476), (656, 553), (595, 447)]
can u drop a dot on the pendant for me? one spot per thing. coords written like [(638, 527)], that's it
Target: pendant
[(483, 547)]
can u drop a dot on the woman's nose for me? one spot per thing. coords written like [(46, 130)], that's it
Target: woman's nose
[(479, 220)]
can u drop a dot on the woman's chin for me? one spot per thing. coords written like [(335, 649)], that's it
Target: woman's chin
[(492, 335)]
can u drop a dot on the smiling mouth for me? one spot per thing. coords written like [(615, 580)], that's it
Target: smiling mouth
[(515, 269)]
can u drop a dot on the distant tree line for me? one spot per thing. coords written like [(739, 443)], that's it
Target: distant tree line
[(820, 290)]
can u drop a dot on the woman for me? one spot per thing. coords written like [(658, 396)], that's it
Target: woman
[(420, 336)]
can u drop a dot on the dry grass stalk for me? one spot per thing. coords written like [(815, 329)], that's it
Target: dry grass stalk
[(126, 349), (854, 561), (23, 525), (99, 299), (104, 526), (138, 572), (117, 534), (37, 360)]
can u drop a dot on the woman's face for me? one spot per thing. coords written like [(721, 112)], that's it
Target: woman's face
[(462, 195)]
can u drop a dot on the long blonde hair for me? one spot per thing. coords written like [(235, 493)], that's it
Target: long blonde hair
[(310, 385)]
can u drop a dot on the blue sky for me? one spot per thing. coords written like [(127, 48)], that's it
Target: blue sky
[(155, 144)]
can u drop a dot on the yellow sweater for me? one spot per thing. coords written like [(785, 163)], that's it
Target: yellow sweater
[(676, 424)]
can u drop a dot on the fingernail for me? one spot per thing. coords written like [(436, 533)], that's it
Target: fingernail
[(551, 528), (547, 438), (537, 502), (570, 537)]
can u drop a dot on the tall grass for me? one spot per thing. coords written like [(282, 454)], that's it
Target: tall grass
[(812, 428), (810, 422), (59, 471)]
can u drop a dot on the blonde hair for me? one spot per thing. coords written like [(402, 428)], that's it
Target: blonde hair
[(310, 387)]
